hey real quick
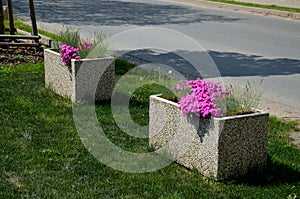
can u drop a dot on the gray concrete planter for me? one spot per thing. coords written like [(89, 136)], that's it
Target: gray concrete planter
[(225, 148), (96, 79)]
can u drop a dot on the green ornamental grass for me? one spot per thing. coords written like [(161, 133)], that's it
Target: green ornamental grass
[(94, 47)]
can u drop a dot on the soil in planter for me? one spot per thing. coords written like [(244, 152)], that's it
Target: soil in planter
[(239, 112), (172, 98)]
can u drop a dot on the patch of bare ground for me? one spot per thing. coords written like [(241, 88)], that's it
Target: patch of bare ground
[(11, 55)]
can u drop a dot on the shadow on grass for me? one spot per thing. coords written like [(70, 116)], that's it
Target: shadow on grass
[(274, 174)]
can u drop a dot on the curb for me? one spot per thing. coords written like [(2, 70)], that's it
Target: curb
[(44, 39), (239, 8)]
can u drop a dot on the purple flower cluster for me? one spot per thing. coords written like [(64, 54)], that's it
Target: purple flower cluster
[(85, 46), (201, 99), (67, 53)]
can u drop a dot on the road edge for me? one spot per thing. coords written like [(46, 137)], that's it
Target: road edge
[(239, 8)]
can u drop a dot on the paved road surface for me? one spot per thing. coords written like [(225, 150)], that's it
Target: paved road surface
[(244, 46)]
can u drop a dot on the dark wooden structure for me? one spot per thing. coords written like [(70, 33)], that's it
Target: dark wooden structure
[(2, 28), (12, 39)]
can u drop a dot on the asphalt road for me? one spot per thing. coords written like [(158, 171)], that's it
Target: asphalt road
[(243, 46)]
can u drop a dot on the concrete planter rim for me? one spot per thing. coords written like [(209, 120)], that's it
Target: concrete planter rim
[(52, 50), (256, 111)]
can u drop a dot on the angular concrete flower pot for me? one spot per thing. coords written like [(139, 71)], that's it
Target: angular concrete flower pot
[(65, 81), (225, 148)]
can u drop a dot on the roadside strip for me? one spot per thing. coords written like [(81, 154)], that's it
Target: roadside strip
[(44, 39), (239, 8)]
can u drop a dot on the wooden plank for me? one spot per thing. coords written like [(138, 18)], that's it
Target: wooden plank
[(19, 37), (2, 28), (33, 19), (10, 17), (19, 44)]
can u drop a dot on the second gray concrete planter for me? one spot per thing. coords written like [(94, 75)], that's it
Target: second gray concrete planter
[(98, 73), (226, 147)]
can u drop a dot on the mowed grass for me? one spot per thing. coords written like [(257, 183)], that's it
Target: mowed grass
[(41, 154), (271, 7)]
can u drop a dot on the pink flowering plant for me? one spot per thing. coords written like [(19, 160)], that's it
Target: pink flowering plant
[(201, 98), (67, 53), (73, 47)]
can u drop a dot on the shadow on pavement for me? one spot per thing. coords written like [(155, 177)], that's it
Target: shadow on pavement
[(114, 13), (237, 64), (216, 64)]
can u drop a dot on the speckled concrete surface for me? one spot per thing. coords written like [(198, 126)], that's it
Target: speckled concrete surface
[(58, 77), (224, 148), (65, 81)]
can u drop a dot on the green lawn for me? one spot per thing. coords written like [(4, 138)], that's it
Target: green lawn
[(42, 156), (272, 7)]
